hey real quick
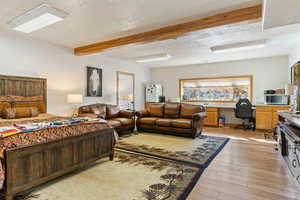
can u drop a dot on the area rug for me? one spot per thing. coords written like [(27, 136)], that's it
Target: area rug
[(198, 152), (129, 177)]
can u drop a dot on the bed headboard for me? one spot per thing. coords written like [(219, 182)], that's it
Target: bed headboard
[(23, 92)]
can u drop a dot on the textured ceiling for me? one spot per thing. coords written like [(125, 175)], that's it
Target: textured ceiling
[(195, 48), (97, 20), (92, 21), (280, 13)]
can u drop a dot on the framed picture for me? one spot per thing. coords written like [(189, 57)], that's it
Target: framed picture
[(94, 82)]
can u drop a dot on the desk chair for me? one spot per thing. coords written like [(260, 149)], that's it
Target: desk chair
[(244, 111)]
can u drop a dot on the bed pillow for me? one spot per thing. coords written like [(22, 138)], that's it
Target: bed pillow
[(9, 113), (20, 112), (2, 107)]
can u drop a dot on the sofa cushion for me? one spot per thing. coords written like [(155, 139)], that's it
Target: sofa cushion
[(124, 121), (164, 122), (172, 110), (99, 110), (182, 123), (187, 111), (89, 115), (85, 109), (126, 113), (114, 123), (156, 110), (112, 111), (148, 120)]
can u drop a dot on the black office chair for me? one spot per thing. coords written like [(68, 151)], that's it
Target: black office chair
[(244, 111)]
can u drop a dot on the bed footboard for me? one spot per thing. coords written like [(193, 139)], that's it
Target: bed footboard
[(30, 166)]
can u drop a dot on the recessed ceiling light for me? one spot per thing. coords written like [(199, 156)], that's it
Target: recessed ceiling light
[(239, 46), (37, 18), (152, 58)]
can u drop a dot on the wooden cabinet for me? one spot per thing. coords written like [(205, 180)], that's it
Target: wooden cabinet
[(267, 116), (212, 117), (264, 120), (275, 119)]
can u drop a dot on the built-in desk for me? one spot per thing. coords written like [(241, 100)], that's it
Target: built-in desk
[(216, 110), (266, 115)]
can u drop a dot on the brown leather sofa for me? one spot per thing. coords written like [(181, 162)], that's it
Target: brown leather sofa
[(172, 118), (120, 120)]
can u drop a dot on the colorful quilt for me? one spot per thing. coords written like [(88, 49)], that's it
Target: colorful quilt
[(22, 127)]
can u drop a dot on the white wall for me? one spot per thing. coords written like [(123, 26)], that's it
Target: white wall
[(294, 54), (24, 56), (294, 57), (268, 73)]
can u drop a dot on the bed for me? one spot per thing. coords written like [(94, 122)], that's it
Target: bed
[(28, 160)]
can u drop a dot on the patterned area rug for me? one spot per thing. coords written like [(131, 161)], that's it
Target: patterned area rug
[(128, 177), (146, 167), (198, 152)]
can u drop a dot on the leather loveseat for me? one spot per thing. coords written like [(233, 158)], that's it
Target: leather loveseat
[(120, 120), (172, 118)]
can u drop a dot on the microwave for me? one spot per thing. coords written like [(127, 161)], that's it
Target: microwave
[(276, 99)]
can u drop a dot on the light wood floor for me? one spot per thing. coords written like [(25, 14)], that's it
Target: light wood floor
[(248, 168)]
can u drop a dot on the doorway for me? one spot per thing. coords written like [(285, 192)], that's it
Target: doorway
[(125, 90)]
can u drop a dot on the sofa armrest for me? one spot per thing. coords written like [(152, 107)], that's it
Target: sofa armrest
[(90, 115), (127, 113), (199, 116), (142, 113)]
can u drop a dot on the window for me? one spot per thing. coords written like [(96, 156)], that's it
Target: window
[(217, 89)]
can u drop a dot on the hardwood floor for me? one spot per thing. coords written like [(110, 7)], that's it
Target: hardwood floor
[(248, 168)]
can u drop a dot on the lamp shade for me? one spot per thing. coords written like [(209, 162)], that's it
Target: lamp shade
[(128, 97), (75, 98)]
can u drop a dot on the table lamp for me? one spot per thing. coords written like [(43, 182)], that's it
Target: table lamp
[(129, 99), (75, 99)]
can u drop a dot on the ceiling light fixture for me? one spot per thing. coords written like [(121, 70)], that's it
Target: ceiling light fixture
[(37, 18), (239, 46), (152, 58)]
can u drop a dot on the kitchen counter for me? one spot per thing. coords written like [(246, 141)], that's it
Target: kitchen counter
[(290, 118)]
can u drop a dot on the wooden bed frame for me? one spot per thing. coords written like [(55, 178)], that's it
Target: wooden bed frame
[(29, 166), (25, 87)]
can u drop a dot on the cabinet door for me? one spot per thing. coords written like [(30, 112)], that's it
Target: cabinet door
[(264, 120), (274, 119), (211, 119)]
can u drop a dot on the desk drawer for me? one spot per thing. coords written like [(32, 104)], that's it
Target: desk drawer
[(211, 109), (264, 108)]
